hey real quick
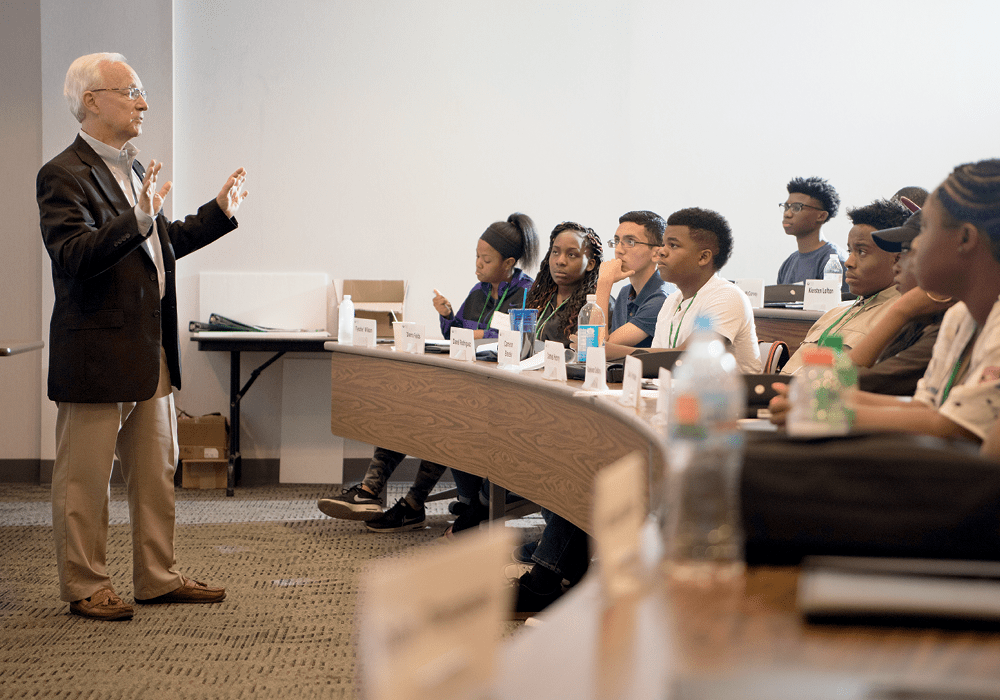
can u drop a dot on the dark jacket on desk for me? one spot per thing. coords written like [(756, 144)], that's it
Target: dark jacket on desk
[(108, 321), (904, 361)]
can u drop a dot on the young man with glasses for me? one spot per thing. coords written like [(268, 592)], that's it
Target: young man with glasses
[(632, 317), (812, 201)]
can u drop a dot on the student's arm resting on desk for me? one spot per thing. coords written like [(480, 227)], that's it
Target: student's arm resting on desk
[(900, 312), (917, 418)]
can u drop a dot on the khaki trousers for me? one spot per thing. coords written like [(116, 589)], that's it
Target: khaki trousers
[(144, 437)]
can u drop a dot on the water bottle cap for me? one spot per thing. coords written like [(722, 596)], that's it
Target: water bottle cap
[(703, 323), (591, 298), (347, 297), (818, 356)]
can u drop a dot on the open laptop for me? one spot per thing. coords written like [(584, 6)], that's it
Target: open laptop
[(784, 295)]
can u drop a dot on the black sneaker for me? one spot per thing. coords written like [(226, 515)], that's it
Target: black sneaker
[(528, 602), (400, 517), (352, 504), (472, 517)]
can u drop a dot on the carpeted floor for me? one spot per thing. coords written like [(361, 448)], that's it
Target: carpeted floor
[(286, 628)]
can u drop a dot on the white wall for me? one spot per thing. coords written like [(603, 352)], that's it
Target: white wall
[(382, 138)]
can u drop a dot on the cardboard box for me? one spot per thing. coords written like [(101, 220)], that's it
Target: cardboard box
[(204, 473), (203, 437), (381, 300)]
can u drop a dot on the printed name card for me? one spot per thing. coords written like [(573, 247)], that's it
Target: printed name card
[(821, 295), (555, 361), (596, 378), (666, 382), (509, 349), (409, 337), (619, 513), (754, 289), (632, 382), (364, 332), (439, 640), (463, 344), (500, 321)]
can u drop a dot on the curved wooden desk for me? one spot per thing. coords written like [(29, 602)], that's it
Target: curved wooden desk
[(526, 434)]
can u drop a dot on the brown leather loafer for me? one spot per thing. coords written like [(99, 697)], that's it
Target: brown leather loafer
[(191, 592), (103, 605)]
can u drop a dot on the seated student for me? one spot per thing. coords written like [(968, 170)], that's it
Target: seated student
[(812, 201), (869, 276), (632, 319), (697, 243), (917, 195), (502, 285), (958, 255), (567, 274), (892, 358)]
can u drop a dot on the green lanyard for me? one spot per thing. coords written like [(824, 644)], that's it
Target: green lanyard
[(673, 342), (499, 302), (861, 308), (545, 319), (954, 371)]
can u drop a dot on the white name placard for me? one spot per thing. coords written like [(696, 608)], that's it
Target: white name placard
[(555, 361), (619, 512), (596, 378), (463, 344), (509, 349), (666, 382), (631, 382), (754, 289), (364, 332), (821, 295)]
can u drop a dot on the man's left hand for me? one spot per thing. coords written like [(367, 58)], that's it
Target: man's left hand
[(232, 194)]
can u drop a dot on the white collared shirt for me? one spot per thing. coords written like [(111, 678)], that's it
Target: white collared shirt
[(119, 162)]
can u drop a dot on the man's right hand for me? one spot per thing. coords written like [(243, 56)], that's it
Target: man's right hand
[(150, 201), (779, 404), (613, 271)]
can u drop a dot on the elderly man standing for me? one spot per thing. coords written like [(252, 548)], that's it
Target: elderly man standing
[(114, 351)]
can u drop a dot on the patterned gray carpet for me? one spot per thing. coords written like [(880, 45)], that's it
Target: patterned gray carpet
[(285, 630)]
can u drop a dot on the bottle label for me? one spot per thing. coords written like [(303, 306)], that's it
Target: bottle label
[(586, 337)]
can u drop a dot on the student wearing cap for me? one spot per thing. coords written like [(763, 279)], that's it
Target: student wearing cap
[(812, 201), (892, 358), (958, 255), (869, 276)]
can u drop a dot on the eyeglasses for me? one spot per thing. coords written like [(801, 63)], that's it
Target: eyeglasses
[(132, 93), (796, 207), (629, 243)]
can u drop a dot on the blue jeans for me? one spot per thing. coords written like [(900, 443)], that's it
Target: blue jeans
[(564, 548)]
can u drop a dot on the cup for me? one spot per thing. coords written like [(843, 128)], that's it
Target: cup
[(525, 321)]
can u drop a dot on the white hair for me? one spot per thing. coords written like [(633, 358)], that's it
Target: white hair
[(85, 74)]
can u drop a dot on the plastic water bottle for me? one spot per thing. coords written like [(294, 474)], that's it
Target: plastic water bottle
[(590, 324), (834, 271), (817, 406), (703, 537), (847, 372), (345, 328)]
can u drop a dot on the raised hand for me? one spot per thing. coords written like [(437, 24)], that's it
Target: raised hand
[(441, 305), (151, 201), (232, 194)]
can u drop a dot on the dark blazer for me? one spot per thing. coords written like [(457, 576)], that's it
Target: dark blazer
[(108, 321)]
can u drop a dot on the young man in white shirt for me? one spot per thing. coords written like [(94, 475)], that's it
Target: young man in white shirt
[(696, 245)]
